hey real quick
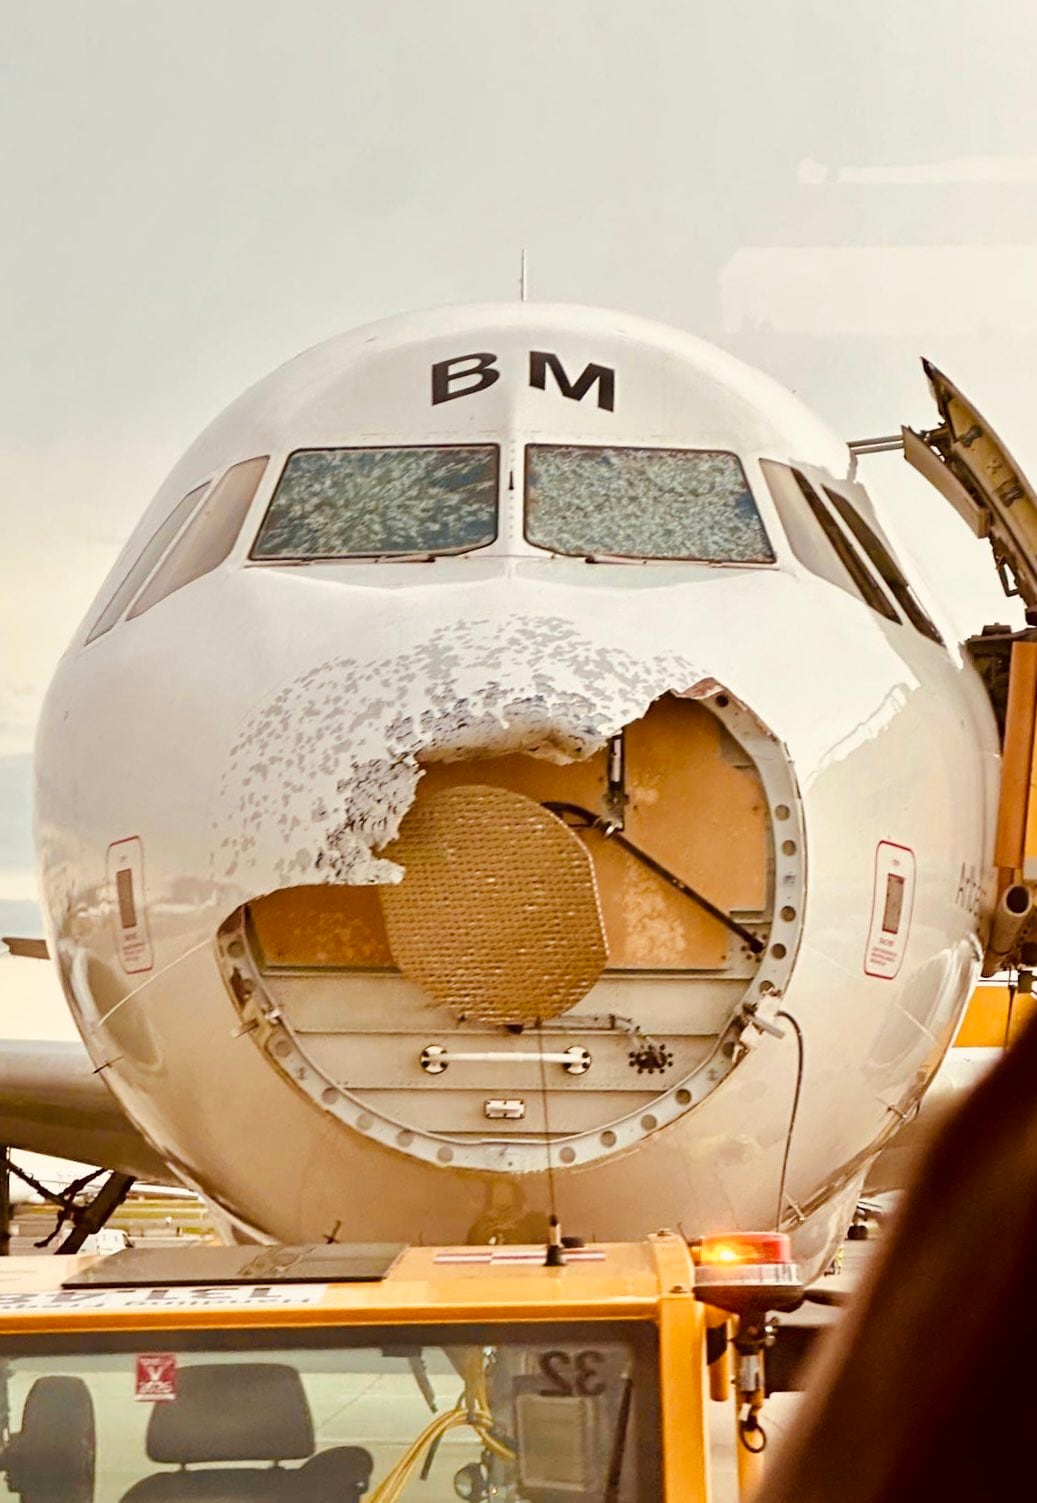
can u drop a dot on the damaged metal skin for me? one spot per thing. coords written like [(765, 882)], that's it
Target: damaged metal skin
[(321, 774), (268, 726)]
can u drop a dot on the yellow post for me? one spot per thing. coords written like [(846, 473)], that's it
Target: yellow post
[(1015, 834), (682, 1370), (750, 1461), (720, 1368), (749, 1392), (682, 1358)]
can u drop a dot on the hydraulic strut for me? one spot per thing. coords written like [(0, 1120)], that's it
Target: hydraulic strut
[(610, 831)]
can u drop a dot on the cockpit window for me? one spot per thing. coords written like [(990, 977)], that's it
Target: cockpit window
[(642, 503), (381, 503), (153, 550), (209, 536), (885, 565), (817, 539)]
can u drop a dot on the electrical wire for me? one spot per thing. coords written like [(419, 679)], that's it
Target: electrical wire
[(472, 1409), (1013, 986), (547, 1131), (800, 1052)]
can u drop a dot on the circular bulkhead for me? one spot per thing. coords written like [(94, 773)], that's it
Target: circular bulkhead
[(573, 955)]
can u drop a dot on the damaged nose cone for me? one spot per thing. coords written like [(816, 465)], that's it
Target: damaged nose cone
[(498, 914), (633, 900)]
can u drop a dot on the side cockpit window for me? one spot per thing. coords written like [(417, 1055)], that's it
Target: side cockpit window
[(153, 550), (642, 504), (209, 536), (885, 565), (818, 541), (382, 503)]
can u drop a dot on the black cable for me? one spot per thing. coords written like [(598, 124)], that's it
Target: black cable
[(795, 1108), (552, 1241), (1013, 985)]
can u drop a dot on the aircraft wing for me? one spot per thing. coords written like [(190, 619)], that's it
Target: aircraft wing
[(51, 1102), (32, 949)]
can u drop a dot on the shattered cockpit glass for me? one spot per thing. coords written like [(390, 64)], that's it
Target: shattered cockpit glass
[(642, 503), (363, 503)]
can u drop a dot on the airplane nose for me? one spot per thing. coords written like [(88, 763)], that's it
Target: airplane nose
[(621, 884)]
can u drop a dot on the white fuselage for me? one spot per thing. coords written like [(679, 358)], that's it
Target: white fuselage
[(266, 726)]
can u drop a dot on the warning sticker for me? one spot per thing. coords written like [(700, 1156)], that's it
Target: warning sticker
[(126, 892), (891, 907), (162, 1297), (156, 1377)]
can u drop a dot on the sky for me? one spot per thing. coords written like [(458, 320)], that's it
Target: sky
[(193, 193)]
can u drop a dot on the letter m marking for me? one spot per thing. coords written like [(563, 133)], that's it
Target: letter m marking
[(542, 361)]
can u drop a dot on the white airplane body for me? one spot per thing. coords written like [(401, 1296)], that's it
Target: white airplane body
[(328, 948)]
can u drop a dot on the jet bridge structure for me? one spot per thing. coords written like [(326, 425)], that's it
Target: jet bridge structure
[(972, 468)]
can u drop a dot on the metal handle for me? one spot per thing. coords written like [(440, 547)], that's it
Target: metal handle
[(574, 1061)]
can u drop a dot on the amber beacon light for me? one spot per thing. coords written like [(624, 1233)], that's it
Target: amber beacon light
[(746, 1271)]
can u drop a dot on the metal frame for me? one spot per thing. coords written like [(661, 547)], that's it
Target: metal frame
[(262, 1018)]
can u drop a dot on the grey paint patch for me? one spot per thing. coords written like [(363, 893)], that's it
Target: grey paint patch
[(322, 773)]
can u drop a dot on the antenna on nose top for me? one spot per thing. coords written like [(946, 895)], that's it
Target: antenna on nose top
[(523, 278)]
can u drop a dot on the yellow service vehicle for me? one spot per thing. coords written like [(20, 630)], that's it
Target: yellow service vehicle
[(331, 1373)]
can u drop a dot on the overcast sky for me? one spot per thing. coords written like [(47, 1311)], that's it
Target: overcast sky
[(192, 193)]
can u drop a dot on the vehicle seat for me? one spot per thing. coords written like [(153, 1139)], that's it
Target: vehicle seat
[(229, 1412), (339, 1475)]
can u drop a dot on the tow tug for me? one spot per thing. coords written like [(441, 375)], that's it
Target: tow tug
[(332, 1373)]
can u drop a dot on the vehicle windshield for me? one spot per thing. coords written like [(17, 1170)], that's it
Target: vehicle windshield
[(411, 1414), (642, 503), (378, 503)]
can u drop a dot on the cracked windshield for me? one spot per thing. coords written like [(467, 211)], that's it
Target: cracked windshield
[(432, 1416), (642, 503), (364, 503)]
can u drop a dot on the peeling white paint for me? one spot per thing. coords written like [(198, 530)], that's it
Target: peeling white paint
[(323, 772)]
